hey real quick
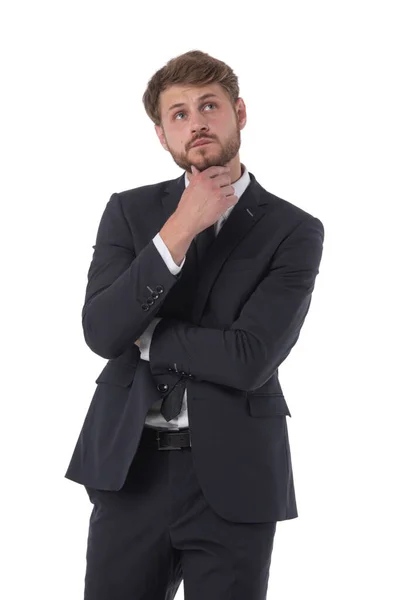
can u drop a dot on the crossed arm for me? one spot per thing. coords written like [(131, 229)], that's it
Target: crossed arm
[(243, 356)]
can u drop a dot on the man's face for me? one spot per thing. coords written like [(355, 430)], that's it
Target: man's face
[(212, 117)]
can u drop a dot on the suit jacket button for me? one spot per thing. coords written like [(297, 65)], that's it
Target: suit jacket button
[(163, 387), (159, 289), (145, 306)]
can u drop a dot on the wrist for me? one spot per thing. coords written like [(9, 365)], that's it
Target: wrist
[(181, 228), (176, 237)]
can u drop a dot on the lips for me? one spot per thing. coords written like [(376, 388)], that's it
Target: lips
[(201, 142)]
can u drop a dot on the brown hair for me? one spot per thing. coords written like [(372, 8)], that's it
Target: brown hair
[(192, 68)]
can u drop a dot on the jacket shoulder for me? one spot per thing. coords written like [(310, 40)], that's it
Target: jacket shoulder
[(144, 193), (290, 208), (284, 210)]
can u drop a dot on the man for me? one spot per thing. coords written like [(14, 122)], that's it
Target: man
[(197, 292)]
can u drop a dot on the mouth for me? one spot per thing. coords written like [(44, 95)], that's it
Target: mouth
[(201, 143)]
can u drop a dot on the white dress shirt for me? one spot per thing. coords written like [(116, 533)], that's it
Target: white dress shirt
[(154, 418)]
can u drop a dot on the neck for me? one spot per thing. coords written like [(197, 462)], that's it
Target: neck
[(236, 171)]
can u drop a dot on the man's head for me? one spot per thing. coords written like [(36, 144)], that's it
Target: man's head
[(206, 92)]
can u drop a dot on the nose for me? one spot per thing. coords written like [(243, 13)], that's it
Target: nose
[(199, 124)]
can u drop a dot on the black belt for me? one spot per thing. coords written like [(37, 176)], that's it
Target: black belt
[(167, 439)]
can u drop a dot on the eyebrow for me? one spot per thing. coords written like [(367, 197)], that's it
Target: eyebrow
[(200, 99)]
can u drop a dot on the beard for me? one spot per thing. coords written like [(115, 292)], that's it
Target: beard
[(203, 158)]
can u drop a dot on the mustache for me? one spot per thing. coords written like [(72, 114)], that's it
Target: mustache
[(198, 139)]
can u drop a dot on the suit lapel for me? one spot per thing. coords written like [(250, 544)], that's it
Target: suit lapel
[(240, 222)]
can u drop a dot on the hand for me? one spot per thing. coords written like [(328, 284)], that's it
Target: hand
[(206, 198)]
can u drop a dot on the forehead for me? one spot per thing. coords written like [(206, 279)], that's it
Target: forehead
[(185, 94)]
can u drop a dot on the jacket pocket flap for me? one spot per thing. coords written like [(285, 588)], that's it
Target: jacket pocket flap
[(267, 405), (117, 373)]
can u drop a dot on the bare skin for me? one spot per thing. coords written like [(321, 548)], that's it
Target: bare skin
[(206, 198)]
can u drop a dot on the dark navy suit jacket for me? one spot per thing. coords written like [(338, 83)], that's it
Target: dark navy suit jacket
[(227, 325)]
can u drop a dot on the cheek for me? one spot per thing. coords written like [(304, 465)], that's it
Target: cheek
[(176, 139)]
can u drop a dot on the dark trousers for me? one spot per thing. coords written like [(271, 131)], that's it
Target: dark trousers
[(159, 529)]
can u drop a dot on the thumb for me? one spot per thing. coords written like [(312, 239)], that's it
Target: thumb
[(195, 171)]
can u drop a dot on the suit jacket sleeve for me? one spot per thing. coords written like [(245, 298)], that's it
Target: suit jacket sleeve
[(247, 354), (124, 292), (145, 338)]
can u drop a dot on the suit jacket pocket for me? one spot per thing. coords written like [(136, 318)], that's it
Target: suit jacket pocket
[(267, 405), (117, 372)]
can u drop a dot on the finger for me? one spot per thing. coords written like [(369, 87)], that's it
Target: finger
[(215, 171)]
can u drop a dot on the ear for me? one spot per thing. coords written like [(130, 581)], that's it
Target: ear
[(241, 112), (160, 135)]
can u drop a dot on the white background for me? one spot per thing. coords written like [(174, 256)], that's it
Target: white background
[(320, 81)]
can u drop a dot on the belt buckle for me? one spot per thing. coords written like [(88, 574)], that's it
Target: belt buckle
[(165, 447)]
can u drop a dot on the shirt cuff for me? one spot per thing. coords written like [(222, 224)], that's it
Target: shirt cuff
[(145, 339), (166, 255)]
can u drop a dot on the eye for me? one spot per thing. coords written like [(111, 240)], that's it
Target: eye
[(182, 113)]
